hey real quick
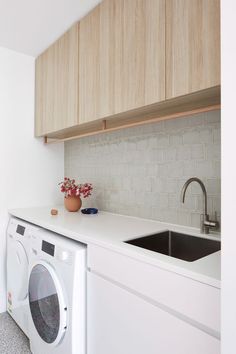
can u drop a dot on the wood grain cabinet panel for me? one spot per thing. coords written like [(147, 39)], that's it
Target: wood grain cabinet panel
[(122, 57), (57, 72), (192, 46), (89, 64), (124, 61), (137, 52)]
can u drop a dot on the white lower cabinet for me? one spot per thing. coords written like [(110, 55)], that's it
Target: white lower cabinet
[(122, 322)]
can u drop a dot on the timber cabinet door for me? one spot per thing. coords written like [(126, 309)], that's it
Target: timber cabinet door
[(192, 46), (56, 87), (129, 61), (122, 57), (89, 66)]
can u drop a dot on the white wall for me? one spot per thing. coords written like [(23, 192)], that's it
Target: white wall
[(29, 171), (228, 33)]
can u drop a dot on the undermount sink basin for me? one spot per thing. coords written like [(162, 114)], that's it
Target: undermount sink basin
[(186, 247)]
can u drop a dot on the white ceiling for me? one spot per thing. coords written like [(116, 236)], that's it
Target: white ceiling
[(30, 26)]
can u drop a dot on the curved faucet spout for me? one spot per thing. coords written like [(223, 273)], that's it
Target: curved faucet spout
[(185, 186), (205, 222)]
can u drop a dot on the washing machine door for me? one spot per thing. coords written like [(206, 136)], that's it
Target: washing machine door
[(17, 270), (47, 305)]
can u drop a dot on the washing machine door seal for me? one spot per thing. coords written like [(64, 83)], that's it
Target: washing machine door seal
[(47, 303)]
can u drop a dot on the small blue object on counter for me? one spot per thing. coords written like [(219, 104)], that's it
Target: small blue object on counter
[(89, 211)]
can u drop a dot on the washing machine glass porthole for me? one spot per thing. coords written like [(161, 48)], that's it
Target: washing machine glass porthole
[(44, 303)]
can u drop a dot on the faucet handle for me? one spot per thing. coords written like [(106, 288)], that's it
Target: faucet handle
[(216, 220), (212, 223)]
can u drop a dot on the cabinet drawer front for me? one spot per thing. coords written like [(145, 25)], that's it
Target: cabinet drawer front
[(198, 302), (120, 322)]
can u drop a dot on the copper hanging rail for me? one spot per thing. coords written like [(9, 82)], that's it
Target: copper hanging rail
[(105, 128)]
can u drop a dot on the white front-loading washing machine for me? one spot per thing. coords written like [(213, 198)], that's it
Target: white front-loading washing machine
[(18, 245), (57, 295)]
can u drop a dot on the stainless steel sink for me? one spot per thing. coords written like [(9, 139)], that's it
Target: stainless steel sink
[(186, 247)]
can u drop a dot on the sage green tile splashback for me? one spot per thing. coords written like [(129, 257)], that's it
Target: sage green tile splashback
[(140, 171)]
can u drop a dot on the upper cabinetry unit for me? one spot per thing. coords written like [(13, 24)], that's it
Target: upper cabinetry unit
[(129, 62), (89, 67), (192, 46), (122, 57), (56, 87)]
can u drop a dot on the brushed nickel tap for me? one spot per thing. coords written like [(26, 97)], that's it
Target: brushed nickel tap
[(205, 222)]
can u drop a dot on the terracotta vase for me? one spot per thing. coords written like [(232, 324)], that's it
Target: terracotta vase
[(72, 203)]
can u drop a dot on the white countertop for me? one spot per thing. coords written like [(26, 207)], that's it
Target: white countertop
[(110, 230)]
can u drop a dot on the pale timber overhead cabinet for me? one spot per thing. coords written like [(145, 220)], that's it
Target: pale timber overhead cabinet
[(122, 57), (129, 62), (57, 74), (192, 46)]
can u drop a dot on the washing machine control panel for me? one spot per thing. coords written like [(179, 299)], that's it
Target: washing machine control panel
[(48, 248), (43, 245), (57, 252), (63, 255), (20, 230)]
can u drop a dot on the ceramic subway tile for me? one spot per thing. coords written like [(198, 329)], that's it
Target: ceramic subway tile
[(195, 187), (183, 217), (205, 169), (197, 151), (169, 215), (212, 117), (142, 144), (206, 135), (162, 201), (196, 120), (176, 169), (190, 203), (140, 171), (151, 170), (216, 203), (156, 156), (213, 186), (201, 204), (162, 140), (191, 137), (173, 201), (217, 135), (213, 152), (169, 154), (211, 208), (163, 170), (156, 184), (195, 219), (217, 168), (152, 142), (176, 139), (158, 127), (183, 153), (176, 124)]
